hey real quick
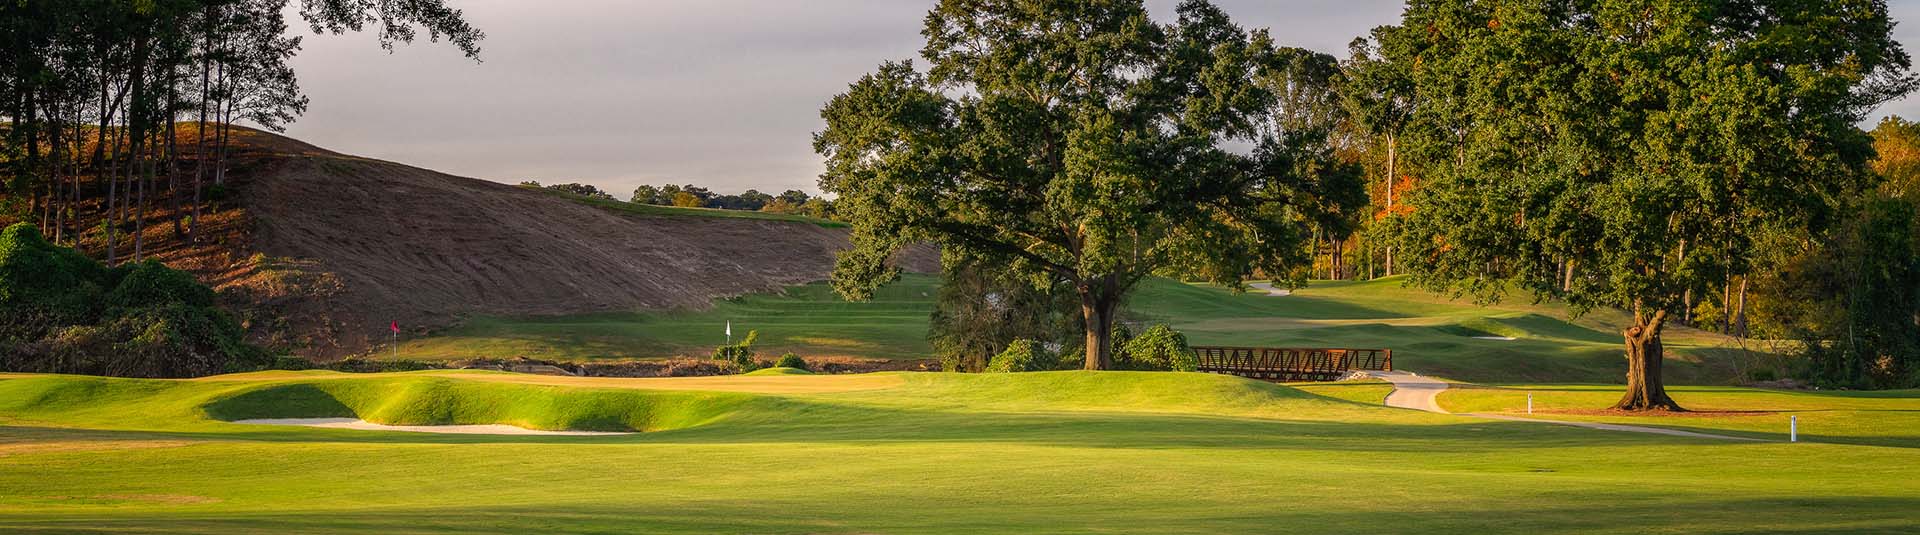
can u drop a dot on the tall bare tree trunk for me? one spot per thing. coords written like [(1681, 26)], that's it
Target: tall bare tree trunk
[(222, 116), (54, 184), (1393, 161), (173, 153), (1646, 390), (136, 139), (200, 138)]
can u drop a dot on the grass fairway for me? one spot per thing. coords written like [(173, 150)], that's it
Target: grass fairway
[(1430, 334), (1879, 418), (1061, 452)]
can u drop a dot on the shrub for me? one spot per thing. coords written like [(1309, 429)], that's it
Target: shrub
[(791, 360), (37, 277), (1159, 349), (65, 313), (741, 354), (1022, 355)]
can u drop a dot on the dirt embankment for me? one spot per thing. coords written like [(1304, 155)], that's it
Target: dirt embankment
[(336, 247)]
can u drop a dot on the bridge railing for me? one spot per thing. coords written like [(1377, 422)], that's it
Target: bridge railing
[(1290, 364)]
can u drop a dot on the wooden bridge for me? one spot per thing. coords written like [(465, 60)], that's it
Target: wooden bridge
[(1288, 364)]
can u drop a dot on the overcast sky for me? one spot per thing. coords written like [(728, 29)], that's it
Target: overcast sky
[(719, 93)]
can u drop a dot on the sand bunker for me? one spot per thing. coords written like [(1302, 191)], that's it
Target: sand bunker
[(353, 423), (1499, 338)]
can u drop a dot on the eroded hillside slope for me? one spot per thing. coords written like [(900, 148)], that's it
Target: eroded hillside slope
[(333, 247)]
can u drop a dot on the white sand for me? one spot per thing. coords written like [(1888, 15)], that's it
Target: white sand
[(1268, 287), (1500, 338), (354, 423)]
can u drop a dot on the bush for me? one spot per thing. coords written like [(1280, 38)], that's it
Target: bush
[(1157, 349), (65, 313), (791, 360), (150, 283), (40, 278), (1022, 355), (741, 354)]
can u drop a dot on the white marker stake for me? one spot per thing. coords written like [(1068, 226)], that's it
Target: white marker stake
[(1529, 403), (1793, 429)]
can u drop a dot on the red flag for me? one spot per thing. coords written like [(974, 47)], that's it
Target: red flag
[(396, 326)]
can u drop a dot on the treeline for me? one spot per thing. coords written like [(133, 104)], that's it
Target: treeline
[(117, 109), (1849, 296), (792, 201)]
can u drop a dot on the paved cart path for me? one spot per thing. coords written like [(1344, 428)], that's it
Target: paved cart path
[(1417, 392)]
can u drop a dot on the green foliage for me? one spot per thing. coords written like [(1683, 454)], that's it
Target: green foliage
[(1622, 153), (978, 311), (1077, 144), (583, 190), (1159, 348), (1687, 135), (791, 360), (1022, 355), (151, 283), (1853, 300), (149, 321), (740, 353), (40, 279)]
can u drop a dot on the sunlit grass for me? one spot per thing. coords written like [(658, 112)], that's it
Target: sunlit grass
[(1060, 452), (1428, 333)]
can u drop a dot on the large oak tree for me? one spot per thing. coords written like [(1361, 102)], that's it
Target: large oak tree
[(1627, 153), (1077, 142)]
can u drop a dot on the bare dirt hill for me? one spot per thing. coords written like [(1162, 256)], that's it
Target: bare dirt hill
[(335, 247)]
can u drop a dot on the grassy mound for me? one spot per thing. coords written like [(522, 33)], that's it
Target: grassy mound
[(393, 399), (779, 371)]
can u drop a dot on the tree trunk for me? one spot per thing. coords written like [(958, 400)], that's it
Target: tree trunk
[(200, 140), (1686, 316), (1740, 311), (1727, 307), (55, 187), (1392, 170), (137, 115), (1097, 300), (1646, 391), (173, 154)]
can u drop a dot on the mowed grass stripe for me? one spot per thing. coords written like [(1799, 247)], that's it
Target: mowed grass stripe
[(1063, 452)]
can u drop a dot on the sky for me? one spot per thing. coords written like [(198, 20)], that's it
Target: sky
[(724, 94)]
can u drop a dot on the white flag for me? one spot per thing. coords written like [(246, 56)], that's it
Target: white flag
[(729, 327)]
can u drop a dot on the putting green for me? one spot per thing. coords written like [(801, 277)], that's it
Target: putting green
[(1060, 452)]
